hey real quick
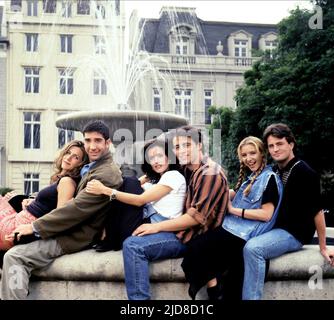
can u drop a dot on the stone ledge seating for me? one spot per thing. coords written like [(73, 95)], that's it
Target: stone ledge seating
[(92, 275)]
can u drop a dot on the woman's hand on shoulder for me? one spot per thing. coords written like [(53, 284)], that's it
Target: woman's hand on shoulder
[(96, 187)]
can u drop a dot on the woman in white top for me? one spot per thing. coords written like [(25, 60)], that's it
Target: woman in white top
[(164, 185), (164, 200)]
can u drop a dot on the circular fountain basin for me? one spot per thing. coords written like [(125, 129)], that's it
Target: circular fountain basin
[(119, 122)]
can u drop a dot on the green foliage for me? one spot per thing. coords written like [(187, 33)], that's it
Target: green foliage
[(4, 190), (222, 119), (296, 87), (257, 53)]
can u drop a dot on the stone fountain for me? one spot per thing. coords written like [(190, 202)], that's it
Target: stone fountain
[(123, 66), (138, 123), (128, 130)]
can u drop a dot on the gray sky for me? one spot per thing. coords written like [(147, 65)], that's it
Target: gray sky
[(221, 10)]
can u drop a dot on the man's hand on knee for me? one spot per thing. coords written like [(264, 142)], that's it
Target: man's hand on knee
[(22, 230)]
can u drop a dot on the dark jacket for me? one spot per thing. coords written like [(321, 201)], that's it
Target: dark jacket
[(301, 200)]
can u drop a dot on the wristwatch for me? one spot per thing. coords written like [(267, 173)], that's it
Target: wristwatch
[(113, 195)]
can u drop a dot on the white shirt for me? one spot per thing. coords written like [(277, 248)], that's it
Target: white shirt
[(171, 205)]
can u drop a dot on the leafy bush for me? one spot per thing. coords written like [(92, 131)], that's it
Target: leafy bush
[(4, 190)]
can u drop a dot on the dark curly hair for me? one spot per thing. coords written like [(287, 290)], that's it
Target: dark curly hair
[(163, 143), (97, 126), (279, 130)]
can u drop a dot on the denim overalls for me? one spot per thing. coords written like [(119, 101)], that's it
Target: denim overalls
[(247, 228)]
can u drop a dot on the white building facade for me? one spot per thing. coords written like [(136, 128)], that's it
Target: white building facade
[(53, 63), (59, 60), (203, 62), (3, 81)]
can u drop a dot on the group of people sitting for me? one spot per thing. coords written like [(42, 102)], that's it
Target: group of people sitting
[(181, 207)]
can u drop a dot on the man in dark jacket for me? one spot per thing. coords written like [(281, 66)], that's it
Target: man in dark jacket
[(67, 229)]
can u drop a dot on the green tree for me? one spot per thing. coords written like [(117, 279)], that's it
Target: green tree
[(294, 87), (222, 118)]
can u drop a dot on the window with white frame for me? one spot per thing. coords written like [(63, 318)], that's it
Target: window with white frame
[(178, 101), (270, 46), (31, 42), (208, 96), (240, 48), (64, 135), (182, 46), (100, 12), (66, 43), (100, 85), (156, 99), (31, 79), (66, 8), (100, 45), (50, 6), (66, 80), (15, 5), (32, 126), (32, 7), (183, 101), (83, 7), (30, 183)]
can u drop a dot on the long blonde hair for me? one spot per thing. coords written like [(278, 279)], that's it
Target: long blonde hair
[(259, 146), (75, 172)]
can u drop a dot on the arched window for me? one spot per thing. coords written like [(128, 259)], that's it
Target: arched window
[(240, 47), (182, 40), (268, 42)]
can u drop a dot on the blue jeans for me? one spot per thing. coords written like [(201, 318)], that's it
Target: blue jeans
[(269, 245), (138, 252)]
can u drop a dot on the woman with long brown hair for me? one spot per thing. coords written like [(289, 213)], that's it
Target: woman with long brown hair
[(61, 189)]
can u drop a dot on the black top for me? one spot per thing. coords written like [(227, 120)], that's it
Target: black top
[(270, 194), (47, 198), (301, 200), (45, 201)]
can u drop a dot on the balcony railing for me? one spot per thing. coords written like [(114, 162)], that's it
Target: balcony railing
[(243, 61), (184, 59), (203, 62)]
